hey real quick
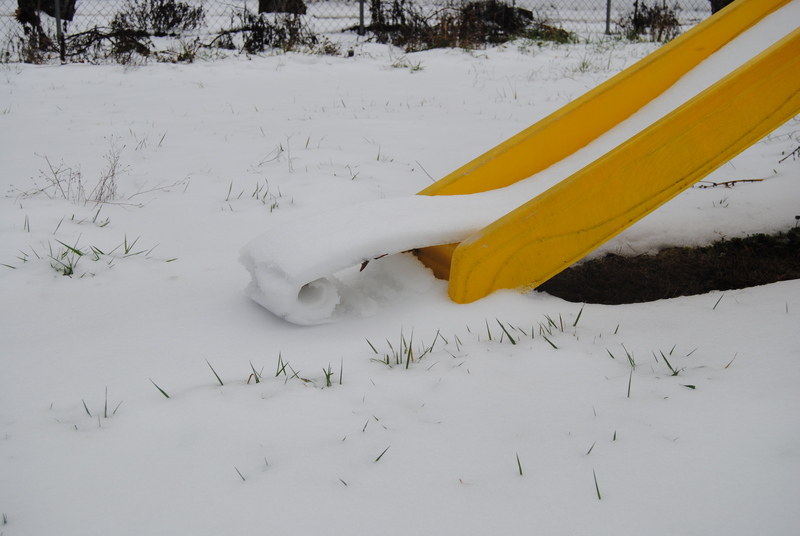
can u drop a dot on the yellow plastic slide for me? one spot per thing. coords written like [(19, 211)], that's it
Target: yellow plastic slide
[(550, 232)]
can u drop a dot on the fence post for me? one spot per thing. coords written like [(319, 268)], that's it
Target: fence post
[(608, 17), (59, 32), (361, 30)]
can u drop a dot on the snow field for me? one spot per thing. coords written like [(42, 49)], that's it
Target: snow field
[(322, 133)]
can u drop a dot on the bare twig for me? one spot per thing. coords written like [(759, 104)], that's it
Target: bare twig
[(726, 184), (795, 154)]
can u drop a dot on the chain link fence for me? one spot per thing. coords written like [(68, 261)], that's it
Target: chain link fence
[(586, 18)]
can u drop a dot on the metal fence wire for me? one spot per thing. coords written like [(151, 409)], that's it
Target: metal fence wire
[(582, 17)]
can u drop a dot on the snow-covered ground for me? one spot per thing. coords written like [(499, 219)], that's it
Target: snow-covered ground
[(580, 426)]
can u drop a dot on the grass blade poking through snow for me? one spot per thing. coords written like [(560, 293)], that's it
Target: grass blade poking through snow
[(675, 371), (519, 465), (159, 388), (215, 373), (381, 454), (550, 342), (510, 338), (74, 249), (240, 474), (575, 324), (629, 355), (410, 354), (596, 487), (630, 379), (256, 375), (281, 366)]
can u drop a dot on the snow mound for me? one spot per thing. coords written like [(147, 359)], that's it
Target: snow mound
[(299, 269)]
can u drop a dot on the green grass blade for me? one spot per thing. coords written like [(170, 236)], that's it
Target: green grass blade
[(674, 372), (510, 338), (159, 388), (281, 366), (629, 355), (410, 351), (596, 487), (630, 379), (73, 249), (550, 342), (256, 375), (328, 373), (575, 324), (381, 454), (215, 373)]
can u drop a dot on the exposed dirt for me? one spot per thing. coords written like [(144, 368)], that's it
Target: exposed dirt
[(729, 264)]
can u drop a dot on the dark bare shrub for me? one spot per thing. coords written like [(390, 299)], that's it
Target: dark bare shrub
[(472, 24), (296, 7), (659, 21), (159, 17), (261, 32)]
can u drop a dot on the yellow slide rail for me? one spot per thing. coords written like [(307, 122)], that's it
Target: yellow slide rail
[(577, 124), (539, 239)]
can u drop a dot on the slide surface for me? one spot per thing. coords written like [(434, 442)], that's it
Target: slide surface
[(567, 130), (536, 241)]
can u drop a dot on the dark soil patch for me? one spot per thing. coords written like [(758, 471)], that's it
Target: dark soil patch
[(729, 264)]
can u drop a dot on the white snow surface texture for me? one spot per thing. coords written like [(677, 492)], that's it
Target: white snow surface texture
[(293, 264), (578, 427)]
